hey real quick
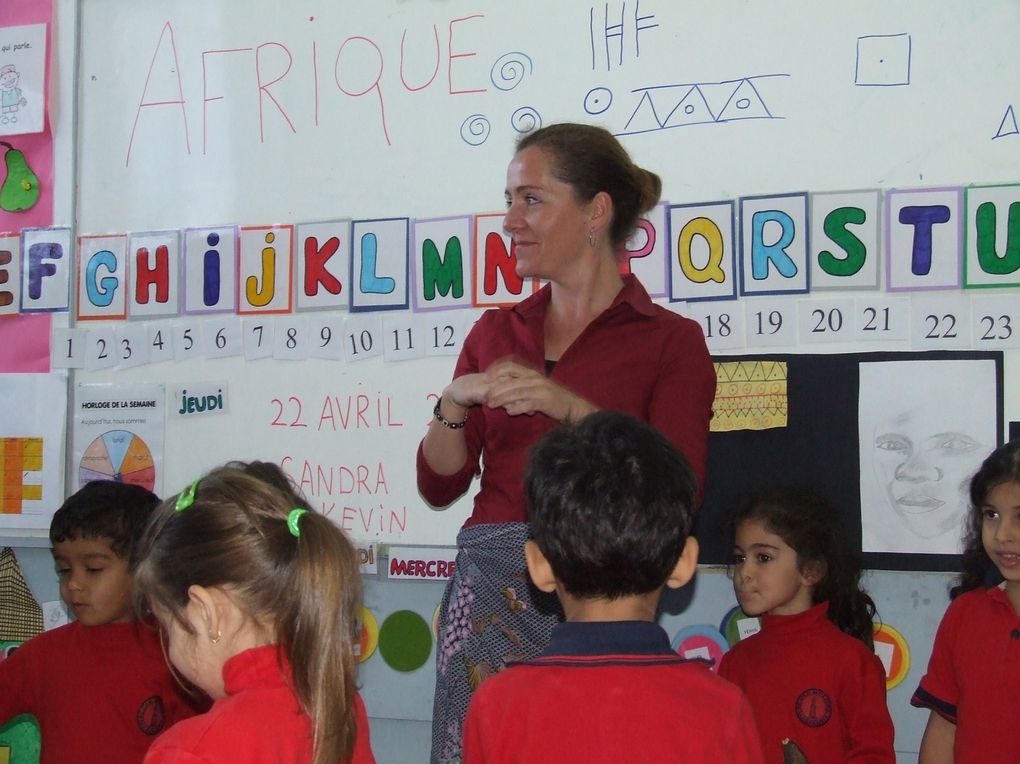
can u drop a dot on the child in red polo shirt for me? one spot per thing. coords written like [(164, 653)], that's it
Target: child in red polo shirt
[(99, 686), (611, 504), (975, 662), (810, 674)]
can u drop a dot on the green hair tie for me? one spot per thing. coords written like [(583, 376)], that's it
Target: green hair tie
[(292, 521), (186, 497)]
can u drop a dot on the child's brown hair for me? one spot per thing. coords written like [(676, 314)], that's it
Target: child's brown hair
[(235, 534)]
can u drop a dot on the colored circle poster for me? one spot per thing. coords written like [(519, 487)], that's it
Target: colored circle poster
[(405, 640), (118, 455), (892, 649), (369, 635), (702, 642)]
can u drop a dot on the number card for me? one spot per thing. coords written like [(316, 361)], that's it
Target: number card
[(325, 332), (940, 322), (826, 320), (444, 332), (258, 336), (101, 350), (770, 323), (222, 336), (402, 337), (187, 340), (362, 336), (882, 318), (161, 343), (292, 341), (996, 322), (722, 323), (67, 350), (132, 345)]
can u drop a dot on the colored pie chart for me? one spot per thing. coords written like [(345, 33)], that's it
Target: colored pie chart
[(118, 455)]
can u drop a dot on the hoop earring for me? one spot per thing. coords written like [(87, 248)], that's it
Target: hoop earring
[(216, 640)]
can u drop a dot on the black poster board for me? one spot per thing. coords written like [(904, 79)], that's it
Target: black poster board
[(818, 449)]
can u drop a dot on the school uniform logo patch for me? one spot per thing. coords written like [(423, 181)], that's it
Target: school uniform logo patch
[(813, 707), (151, 715)]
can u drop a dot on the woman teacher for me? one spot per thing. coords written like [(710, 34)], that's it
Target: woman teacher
[(591, 338)]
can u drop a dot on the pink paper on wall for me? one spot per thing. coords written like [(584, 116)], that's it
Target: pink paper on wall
[(37, 147), (25, 343)]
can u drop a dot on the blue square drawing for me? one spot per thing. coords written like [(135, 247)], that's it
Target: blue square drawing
[(883, 60)]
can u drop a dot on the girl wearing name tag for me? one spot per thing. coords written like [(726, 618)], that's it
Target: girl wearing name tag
[(590, 339), (811, 674)]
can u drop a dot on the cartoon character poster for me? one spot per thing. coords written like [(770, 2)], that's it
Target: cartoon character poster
[(22, 79)]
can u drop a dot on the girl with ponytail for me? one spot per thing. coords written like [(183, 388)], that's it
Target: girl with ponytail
[(810, 674), (257, 595)]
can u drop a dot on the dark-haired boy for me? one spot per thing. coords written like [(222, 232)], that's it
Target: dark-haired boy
[(610, 502), (99, 687)]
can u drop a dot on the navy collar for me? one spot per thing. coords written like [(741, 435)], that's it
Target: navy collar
[(592, 638)]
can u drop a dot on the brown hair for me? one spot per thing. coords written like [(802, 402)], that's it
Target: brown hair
[(810, 525), (591, 160), (1000, 466), (235, 534)]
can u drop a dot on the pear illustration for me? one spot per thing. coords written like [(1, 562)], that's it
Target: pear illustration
[(20, 190)]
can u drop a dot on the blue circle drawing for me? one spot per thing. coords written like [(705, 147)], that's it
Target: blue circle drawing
[(474, 131), (598, 100), (525, 119), (510, 69)]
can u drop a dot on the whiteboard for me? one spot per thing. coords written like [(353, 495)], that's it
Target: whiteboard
[(250, 113)]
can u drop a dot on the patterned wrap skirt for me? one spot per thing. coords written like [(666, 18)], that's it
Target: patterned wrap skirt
[(491, 615)]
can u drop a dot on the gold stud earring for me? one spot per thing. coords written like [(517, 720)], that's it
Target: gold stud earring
[(216, 640)]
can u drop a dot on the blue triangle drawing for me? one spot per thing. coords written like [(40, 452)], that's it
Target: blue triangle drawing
[(1008, 125), (745, 103), (644, 118), (693, 109)]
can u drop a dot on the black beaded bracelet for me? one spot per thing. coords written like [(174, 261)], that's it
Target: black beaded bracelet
[(444, 421)]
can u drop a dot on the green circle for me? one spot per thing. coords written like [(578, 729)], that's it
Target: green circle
[(405, 640)]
